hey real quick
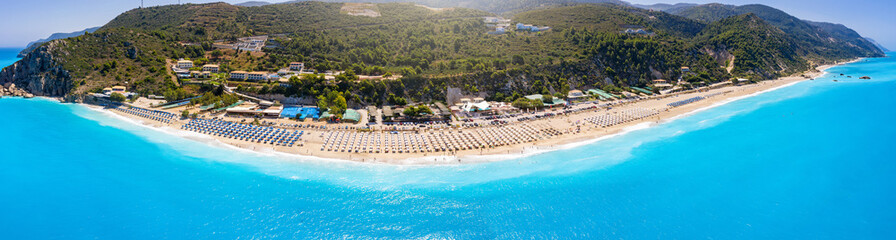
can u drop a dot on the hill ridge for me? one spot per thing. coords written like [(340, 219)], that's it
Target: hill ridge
[(606, 46)]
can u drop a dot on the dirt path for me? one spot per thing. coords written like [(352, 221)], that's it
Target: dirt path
[(171, 73), (730, 64)]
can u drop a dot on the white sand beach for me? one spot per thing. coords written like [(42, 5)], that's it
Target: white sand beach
[(583, 124)]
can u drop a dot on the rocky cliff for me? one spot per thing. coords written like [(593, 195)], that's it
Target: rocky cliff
[(39, 73)]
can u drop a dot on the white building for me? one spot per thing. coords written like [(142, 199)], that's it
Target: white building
[(531, 28), (239, 75), (181, 73), (539, 29), (257, 76), (251, 43), (210, 68), (200, 74), (296, 66), (184, 64), (636, 31), (477, 105)]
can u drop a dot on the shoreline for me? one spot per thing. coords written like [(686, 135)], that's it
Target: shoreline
[(715, 97)]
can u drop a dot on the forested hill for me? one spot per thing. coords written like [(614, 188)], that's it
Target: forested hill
[(818, 40), (222, 21), (611, 18), (492, 6), (753, 45), (431, 49)]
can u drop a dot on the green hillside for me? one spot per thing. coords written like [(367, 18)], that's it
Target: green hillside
[(706, 13), (434, 49), (222, 21), (627, 59), (759, 49), (818, 44), (611, 18), (492, 6)]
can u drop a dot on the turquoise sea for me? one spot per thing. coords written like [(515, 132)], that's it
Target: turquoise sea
[(813, 160), (8, 56)]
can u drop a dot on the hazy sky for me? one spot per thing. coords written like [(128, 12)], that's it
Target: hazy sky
[(24, 21)]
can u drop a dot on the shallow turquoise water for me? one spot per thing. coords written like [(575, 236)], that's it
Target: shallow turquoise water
[(8, 56), (809, 161)]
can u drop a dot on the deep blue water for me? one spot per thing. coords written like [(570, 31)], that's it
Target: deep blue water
[(810, 161)]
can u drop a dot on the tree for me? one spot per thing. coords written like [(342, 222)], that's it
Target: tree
[(117, 97), (518, 60), (499, 96), (348, 75), (219, 90), (410, 111), (417, 111), (610, 72), (547, 98), (395, 100), (216, 54), (185, 114), (175, 94), (333, 101), (424, 109), (407, 71), (337, 103), (522, 103), (200, 62), (322, 103), (537, 103)]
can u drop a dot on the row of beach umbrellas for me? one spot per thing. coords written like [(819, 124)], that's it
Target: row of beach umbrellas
[(245, 132)]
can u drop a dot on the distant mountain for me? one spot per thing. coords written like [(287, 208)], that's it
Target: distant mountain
[(493, 6), (838, 31), (503, 6), (253, 4), (665, 7), (882, 48), (707, 12), (32, 45)]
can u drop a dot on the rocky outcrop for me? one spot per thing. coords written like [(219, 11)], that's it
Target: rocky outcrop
[(38, 73), (9, 89), (79, 98)]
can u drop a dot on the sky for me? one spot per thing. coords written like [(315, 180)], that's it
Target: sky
[(25, 21)]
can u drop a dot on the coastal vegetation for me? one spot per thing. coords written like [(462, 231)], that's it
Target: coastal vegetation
[(417, 111), (433, 50), (525, 103), (761, 50), (218, 98), (332, 101), (814, 41), (117, 97)]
